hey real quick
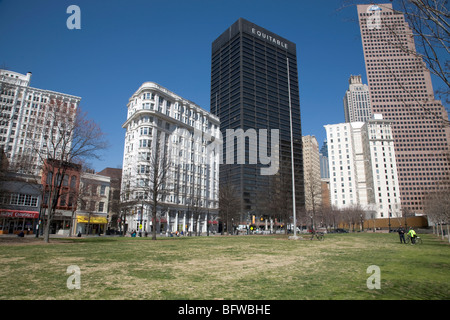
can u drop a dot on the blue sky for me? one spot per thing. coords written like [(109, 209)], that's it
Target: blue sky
[(122, 44)]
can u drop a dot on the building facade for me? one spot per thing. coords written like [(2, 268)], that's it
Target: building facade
[(323, 157), (29, 121), (311, 167), (363, 170), (357, 106), (160, 122), (401, 90), (342, 166), (60, 182), (379, 149), (20, 202), (115, 175), (254, 86), (93, 204)]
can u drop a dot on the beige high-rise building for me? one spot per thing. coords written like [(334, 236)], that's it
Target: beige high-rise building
[(311, 169), (357, 105), (401, 90)]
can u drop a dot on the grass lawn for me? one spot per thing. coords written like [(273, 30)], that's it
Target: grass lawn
[(226, 267)]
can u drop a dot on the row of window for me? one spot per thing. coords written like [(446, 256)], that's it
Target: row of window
[(19, 199)]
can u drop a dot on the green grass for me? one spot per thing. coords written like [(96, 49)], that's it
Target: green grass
[(238, 267)]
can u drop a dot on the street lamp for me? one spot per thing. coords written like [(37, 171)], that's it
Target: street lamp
[(292, 151), (389, 217), (140, 222)]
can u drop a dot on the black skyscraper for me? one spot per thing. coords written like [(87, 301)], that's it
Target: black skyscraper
[(249, 90)]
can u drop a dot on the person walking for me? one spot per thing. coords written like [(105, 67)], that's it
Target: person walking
[(401, 233), (412, 234)]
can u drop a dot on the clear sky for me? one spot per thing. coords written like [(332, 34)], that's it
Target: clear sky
[(122, 44)]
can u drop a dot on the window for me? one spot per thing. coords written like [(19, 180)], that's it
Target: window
[(144, 143), (93, 189), (101, 206), (145, 131), (73, 182), (66, 181), (50, 178), (102, 190), (20, 199)]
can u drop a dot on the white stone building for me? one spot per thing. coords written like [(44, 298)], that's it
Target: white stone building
[(191, 191), (362, 167), (28, 119), (378, 141), (342, 166)]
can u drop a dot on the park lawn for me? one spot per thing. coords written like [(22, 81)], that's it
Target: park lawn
[(226, 267)]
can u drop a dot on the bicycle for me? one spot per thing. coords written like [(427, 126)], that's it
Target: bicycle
[(318, 235), (418, 240)]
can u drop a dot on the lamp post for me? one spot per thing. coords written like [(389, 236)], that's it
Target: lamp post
[(207, 222), (140, 222), (292, 152), (389, 219)]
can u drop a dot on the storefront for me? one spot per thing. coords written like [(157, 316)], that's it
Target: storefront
[(94, 224), (16, 221)]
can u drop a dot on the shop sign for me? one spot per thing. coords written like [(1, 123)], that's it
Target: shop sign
[(19, 214)]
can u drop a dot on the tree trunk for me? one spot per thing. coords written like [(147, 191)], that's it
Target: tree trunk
[(154, 222), (448, 235), (47, 227)]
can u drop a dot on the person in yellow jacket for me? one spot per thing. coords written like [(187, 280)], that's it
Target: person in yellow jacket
[(412, 234)]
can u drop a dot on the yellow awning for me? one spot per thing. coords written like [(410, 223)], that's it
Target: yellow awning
[(94, 220)]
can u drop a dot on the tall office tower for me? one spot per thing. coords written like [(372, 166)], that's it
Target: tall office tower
[(254, 85), (29, 120), (357, 105), (400, 89), (160, 120), (311, 167)]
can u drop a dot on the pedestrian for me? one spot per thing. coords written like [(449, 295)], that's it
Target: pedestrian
[(412, 234), (401, 233)]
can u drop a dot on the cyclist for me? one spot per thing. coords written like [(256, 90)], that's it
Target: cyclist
[(412, 234)]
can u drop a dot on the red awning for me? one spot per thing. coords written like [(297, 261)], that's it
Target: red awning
[(18, 214)]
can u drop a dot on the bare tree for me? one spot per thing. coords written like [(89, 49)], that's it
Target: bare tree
[(437, 207), (313, 197), (69, 138), (152, 185), (352, 215), (429, 22), (428, 42), (229, 206)]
